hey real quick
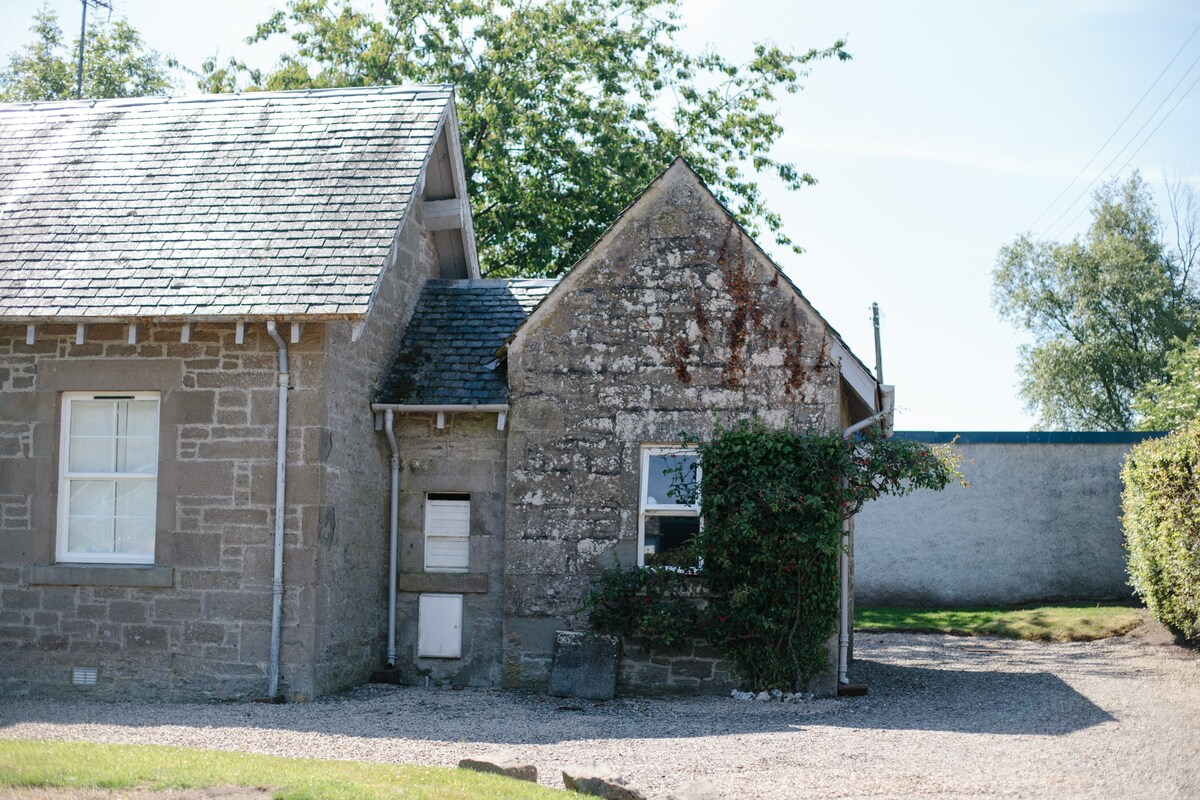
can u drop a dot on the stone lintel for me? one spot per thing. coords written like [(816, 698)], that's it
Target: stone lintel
[(147, 577), (449, 582)]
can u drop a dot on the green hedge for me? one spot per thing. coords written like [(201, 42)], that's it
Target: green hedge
[(1161, 502)]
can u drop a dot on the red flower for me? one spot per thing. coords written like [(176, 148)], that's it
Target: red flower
[(720, 619)]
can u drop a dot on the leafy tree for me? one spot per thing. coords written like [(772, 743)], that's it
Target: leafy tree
[(1104, 311), (1172, 402), (116, 63), (568, 107)]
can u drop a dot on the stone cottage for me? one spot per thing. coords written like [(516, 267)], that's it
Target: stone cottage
[(544, 437), (170, 270), (183, 280)]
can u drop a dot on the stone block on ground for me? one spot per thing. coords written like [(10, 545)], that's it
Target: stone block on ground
[(599, 781), (505, 764), (585, 665), (700, 790)]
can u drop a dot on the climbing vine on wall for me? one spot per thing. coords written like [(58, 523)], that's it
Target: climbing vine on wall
[(773, 502), (733, 325)]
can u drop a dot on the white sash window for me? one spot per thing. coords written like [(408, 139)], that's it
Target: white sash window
[(667, 523), (108, 477)]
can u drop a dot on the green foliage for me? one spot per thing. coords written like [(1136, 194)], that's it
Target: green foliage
[(116, 63), (1104, 311), (568, 108), (650, 602), (772, 503), (1161, 502), (1172, 402)]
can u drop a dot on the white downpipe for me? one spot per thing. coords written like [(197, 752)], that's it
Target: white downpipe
[(844, 558), (394, 526), (280, 486)]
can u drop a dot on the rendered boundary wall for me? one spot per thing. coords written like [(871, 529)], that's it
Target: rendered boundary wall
[(1040, 521)]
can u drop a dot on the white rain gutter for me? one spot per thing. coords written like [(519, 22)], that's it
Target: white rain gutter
[(394, 525), (888, 398), (280, 486)]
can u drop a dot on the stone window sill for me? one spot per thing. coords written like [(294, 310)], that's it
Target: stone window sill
[(147, 577), (449, 582)]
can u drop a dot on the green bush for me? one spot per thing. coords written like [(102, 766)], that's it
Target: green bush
[(1161, 502), (651, 602), (772, 502)]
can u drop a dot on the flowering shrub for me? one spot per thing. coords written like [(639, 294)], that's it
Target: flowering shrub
[(773, 503)]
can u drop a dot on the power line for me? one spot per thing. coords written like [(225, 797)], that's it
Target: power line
[(1116, 130), (1136, 133), (951, 290), (1143, 144)]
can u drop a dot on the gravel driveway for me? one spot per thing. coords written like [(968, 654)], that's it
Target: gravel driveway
[(946, 717)]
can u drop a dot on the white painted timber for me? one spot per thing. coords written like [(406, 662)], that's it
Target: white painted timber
[(443, 215), (439, 626)]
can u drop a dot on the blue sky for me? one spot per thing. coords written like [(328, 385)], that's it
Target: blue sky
[(954, 127)]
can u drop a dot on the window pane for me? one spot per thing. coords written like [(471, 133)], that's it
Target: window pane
[(111, 517), (669, 540), (91, 453), (133, 535), (140, 417), (90, 535), (136, 498), (92, 498), (92, 418), (138, 454), (663, 479)]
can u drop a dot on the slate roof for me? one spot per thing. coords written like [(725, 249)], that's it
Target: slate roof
[(259, 204), (448, 354)]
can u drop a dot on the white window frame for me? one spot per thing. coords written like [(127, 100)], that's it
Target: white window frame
[(660, 509), (65, 477), (465, 538)]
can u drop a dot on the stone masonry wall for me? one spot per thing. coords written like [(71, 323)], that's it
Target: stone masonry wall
[(673, 323), (468, 455), (197, 624), (352, 541)]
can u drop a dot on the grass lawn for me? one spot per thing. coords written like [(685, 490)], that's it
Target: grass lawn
[(75, 765), (1067, 623)]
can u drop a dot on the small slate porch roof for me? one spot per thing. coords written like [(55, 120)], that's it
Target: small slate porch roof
[(254, 205), (448, 355)]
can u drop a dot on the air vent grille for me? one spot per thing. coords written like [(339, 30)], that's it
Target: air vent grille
[(83, 676)]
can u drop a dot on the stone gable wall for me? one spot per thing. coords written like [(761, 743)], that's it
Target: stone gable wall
[(197, 625), (672, 324)]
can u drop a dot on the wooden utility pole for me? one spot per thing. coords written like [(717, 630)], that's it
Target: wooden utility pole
[(878, 349)]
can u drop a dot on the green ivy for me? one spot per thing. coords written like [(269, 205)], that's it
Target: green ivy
[(650, 602), (773, 502)]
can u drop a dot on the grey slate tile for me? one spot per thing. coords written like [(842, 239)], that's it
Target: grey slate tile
[(448, 353), (226, 194)]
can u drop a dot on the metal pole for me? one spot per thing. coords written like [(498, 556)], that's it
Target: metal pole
[(82, 34), (878, 349)]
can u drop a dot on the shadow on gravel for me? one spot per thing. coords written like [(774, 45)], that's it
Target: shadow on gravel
[(901, 698), (960, 701)]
